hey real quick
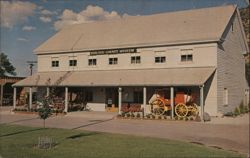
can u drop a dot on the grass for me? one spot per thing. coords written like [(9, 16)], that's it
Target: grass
[(19, 141)]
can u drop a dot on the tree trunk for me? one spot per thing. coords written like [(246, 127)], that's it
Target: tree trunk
[(43, 123)]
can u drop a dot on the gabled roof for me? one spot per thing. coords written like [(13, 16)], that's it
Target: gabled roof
[(189, 26)]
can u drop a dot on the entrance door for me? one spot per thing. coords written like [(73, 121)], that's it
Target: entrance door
[(112, 97)]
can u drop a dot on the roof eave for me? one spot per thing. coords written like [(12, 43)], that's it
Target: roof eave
[(130, 46)]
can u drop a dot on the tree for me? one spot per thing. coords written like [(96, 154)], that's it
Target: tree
[(5, 66), (45, 111)]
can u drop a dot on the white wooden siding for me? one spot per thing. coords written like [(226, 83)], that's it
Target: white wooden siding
[(231, 68), (201, 54)]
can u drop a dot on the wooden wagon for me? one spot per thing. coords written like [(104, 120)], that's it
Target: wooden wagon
[(184, 104)]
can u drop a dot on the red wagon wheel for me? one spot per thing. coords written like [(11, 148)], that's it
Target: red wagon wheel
[(157, 107), (181, 110)]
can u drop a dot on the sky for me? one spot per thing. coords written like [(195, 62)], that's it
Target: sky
[(26, 24)]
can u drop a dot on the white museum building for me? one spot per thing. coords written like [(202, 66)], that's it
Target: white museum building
[(124, 61)]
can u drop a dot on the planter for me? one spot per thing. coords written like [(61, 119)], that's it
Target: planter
[(24, 112), (29, 112)]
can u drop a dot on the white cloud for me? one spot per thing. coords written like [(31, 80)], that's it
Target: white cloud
[(90, 14), (45, 19), (15, 12), (28, 28), (47, 12), (40, 7), (23, 39)]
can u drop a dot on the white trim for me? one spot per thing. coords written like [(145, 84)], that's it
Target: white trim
[(119, 100), (66, 100), (30, 97)]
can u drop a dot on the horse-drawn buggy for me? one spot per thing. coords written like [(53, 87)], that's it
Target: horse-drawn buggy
[(184, 103)]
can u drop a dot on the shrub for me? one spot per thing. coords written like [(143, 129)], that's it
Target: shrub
[(246, 109), (132, 115), (153, 116), (119, 115), (236, 111), (138, 115), (128, 114), (123, 114), (230, 114), (241, 108)]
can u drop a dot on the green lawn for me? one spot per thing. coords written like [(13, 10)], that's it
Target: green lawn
[(20, 142)]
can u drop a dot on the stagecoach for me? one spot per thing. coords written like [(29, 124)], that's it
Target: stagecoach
[(184, 103)]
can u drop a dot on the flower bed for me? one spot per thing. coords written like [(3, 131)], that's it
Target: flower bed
[(35, 111), (139, 115)]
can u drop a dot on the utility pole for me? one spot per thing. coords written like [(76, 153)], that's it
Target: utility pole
[(31, 64)]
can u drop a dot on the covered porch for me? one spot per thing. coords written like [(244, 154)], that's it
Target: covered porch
[(112, 89)]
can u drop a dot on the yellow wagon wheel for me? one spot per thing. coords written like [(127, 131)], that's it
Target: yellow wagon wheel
[(157, 107), (193, 109), (181, 110)]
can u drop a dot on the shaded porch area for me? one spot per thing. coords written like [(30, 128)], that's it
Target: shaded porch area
[(115, 90)]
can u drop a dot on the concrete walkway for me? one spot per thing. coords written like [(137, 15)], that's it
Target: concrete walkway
[(227, 133)]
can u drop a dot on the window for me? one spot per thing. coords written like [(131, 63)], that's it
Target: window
[(186, 57), (138, 97), (113, 61), (72, 62), (135, 60), (55, 63), (89, 96), (225, 96), (160, 59), (92, 62)]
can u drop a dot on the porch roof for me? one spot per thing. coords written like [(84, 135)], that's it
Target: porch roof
[(139, 77)]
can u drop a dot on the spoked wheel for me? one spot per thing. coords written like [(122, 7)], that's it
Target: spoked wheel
[(181, 110), (157, 107), (193, 109)]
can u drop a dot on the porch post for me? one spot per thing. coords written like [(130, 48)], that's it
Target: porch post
[(202, 102), (120, 100), (172, 101), (66, 100), (30, 98), (144, 100), (47, 91), (1, 97), (14, 98)]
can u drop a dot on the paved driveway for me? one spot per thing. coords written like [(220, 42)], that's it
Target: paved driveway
[(224, 133)]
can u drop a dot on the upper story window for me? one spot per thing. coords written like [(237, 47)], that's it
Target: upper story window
[(92, 62), (135, 60), (55, 62), (73, 62), (186, 57), (160, 59), (113, 61)]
